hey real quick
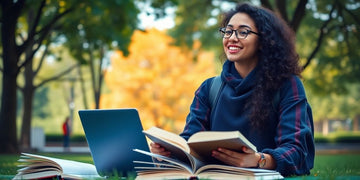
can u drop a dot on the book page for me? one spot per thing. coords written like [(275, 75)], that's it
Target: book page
[(37, 175), (234, 169), (38, 167), (179, 163), (229, 175), (66, 166), (168, 137), (203, 143), (177, 169), (155, 165), (204, 136), (232, 172)]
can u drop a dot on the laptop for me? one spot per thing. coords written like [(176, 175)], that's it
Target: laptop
[(112, 134)]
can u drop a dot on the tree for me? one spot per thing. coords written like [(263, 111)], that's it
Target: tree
[(13, 51), (158, 80), (46, 23), (331, 105), (337, 57), (28, 91), (99, 25), (103, 26)]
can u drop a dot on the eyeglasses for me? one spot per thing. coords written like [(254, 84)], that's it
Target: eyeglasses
[(240, 33)]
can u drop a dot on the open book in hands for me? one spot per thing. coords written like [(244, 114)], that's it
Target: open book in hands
[(201, 144), (193, 157)]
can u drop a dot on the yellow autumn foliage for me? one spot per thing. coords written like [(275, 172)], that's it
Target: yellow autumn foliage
[(157, 78)]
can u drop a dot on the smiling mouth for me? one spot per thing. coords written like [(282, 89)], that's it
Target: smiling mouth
[(233, 48)]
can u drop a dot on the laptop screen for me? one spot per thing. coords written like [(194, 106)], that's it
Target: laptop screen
[(112, 134)]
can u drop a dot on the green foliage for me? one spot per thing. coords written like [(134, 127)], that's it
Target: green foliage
[(336, 62), (194, 24), (59, 138), (338, 137), (160, 7), (97, 24), (332, 105), (40, 107)]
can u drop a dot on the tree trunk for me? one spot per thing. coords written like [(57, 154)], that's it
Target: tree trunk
[(100, 78), (28, 96), (96, 78), (8, 137), (82, 84), (26, 118), (93, 75), (356, 123)]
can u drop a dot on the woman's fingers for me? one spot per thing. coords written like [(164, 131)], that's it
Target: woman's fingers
[(229, 157), (158, 149)]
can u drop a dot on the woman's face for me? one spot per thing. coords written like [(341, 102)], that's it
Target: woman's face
[(238, 49)]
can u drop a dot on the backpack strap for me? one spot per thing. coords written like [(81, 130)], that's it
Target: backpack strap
[(215, 87)]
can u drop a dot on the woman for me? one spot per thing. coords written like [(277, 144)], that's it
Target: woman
[(261, 63)]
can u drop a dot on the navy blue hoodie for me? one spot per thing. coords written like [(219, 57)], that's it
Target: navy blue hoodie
[(288, 133)]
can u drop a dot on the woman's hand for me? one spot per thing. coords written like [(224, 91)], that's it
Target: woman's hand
[(245, 159), (158, 149)]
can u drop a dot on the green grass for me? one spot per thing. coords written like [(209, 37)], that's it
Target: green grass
[(330, 166), (327, 166)]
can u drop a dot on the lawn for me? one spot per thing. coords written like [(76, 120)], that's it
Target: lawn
[(339, 166), (327, 166)]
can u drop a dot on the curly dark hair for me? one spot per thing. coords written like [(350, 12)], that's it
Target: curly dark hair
[(278, 59)]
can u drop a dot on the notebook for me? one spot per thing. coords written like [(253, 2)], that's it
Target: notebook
[(112, 134)]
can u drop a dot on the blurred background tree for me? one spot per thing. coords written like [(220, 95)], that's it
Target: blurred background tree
[(159, 80), (23, 32), (99, 28)]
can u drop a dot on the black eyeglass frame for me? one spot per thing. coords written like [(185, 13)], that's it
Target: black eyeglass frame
[(248, 31)]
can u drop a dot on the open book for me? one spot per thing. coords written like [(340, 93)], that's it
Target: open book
[(193, 158), (42, 167)]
